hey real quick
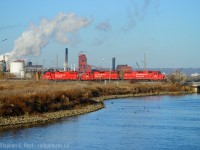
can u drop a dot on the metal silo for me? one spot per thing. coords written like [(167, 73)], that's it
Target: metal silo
[(17, 68)]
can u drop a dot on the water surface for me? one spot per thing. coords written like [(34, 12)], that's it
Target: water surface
[(156, 122)]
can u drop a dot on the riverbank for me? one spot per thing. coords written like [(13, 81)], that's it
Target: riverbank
[(40, 102), (17, 121), (103, 98)]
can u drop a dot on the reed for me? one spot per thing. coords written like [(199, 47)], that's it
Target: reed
[(36, 97)]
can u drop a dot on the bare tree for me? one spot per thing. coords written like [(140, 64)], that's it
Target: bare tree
[(177, 77)]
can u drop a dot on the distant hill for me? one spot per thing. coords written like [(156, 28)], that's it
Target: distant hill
[(187, 71)]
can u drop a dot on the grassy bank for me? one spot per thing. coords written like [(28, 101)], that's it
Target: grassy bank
[(32, 98)]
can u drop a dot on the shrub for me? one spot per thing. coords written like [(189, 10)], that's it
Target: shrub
[(177, 77)]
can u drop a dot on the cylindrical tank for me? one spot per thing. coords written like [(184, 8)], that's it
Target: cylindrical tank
[(17, 68)]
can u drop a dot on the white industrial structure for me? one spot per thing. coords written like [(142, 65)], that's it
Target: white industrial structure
[(18, 68)]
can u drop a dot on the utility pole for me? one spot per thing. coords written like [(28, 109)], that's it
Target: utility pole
[(57, 61), (145, 63), (43, 64)]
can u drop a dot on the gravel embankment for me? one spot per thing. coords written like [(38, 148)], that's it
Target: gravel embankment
[(36, 119)]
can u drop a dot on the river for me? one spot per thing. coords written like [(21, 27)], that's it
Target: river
[(155, 122)]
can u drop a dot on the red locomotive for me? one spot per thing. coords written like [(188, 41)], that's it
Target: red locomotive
[(103, 75), (56, 75), (143, 75)]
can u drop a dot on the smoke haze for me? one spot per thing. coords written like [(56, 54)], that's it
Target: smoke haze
[(103, 26), (61, 29), (136, 13)]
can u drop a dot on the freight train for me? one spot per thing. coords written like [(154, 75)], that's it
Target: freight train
[(104, 75), (85, 72)]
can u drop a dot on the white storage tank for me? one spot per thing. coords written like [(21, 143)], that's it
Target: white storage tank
[(17, 68)]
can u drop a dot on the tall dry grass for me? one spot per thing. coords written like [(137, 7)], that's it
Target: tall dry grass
[(35, 97)]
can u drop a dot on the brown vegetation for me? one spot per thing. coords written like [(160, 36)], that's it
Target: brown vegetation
[(36, 97), (177, 77)]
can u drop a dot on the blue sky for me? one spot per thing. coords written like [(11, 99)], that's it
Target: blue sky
[(167, 31)]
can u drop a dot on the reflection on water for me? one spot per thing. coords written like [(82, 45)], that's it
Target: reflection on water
[(155, 122)]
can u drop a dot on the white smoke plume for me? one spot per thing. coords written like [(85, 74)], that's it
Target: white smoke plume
[(61, 29)]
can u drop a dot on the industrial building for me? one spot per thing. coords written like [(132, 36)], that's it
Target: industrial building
[(84, 72)]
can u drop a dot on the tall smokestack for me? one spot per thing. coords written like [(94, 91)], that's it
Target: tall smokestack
[(66, 59), (113, 63)]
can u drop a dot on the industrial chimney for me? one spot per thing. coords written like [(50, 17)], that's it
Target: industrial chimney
[(66, 59), (113, 63)]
